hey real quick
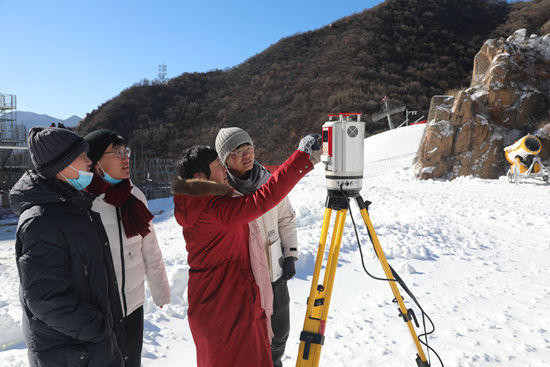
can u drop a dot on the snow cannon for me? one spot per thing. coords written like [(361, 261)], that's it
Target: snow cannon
[(527, 146), (343, 143), (523, 156)]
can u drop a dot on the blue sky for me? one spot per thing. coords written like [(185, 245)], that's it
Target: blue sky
[(65, 58)]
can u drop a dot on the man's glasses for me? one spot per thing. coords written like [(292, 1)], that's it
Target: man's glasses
[(239, 153), (121, 153)]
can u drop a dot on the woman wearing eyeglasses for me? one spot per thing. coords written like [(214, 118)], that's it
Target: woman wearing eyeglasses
[(132, 238)]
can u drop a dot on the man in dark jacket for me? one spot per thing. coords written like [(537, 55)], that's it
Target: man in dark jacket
[(68, 291)]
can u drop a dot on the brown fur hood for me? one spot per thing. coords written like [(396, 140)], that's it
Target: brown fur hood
[(197, 187)]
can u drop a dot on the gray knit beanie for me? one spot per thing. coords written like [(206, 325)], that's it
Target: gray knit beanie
[(53, 149), (228, 139)]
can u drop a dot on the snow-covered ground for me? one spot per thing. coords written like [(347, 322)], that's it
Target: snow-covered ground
[(476, 254)]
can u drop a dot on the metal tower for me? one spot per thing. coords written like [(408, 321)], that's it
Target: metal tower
[(14, 159), (162, 73)]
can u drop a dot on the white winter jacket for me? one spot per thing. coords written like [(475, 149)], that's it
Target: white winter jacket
[(278, 229), (134, 259)]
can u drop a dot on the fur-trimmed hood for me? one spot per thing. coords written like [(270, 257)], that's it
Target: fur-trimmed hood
[(197, 187), (190, 197)]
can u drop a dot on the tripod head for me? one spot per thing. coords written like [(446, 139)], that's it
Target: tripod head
[(343, 143)]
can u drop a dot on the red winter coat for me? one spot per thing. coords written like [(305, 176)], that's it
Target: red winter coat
[(225, 316)]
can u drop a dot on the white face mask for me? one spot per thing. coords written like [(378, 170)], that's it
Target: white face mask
[(83, 180)]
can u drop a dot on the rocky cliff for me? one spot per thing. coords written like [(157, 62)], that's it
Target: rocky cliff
[(508, 97)]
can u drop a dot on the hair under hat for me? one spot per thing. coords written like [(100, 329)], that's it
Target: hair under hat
[(230, 138), (53, 149), (99, 140)]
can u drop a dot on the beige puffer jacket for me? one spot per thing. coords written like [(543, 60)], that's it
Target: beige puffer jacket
[(278, 229), (142, 257)]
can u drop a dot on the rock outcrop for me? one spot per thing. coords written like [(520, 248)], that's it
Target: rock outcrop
[(508, 97)]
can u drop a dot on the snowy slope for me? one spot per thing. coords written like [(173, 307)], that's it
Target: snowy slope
[(476, 254)]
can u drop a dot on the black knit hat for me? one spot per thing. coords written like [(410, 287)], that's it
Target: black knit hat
[(99, 140), (53, 149)]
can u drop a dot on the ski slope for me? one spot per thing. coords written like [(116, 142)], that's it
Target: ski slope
[(476, 254)]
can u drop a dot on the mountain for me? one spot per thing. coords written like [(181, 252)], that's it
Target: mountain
[(72, 121), (30, 119), (408, 50)]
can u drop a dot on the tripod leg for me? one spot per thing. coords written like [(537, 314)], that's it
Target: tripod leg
[(312, 314), (313, 292), (332, 260), (312, 336), (421, 357)]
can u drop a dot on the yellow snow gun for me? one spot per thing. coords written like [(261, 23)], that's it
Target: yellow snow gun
[(524, 160)]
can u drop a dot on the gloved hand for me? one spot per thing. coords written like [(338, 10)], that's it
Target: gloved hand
[(310, 145), (288, 267)]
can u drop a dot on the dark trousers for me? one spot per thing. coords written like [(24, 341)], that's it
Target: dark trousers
[(133, 323), (280, 320)]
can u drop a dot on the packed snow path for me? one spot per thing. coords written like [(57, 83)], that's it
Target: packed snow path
[(476, 254)]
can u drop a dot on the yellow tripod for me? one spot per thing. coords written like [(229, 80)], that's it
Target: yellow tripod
[(313, 334)]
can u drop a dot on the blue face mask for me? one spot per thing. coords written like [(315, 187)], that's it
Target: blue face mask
[(107, 178), (83, 180), (111, 180)]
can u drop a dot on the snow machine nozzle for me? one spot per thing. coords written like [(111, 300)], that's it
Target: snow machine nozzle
[(525, 161)]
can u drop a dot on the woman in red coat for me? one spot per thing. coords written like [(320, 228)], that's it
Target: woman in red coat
[(225, 316)]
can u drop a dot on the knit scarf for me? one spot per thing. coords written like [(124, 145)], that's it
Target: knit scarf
[(135, 215), (258, 176)]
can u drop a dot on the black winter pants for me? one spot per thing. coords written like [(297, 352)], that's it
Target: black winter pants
[(133, 323), (280, 320)]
